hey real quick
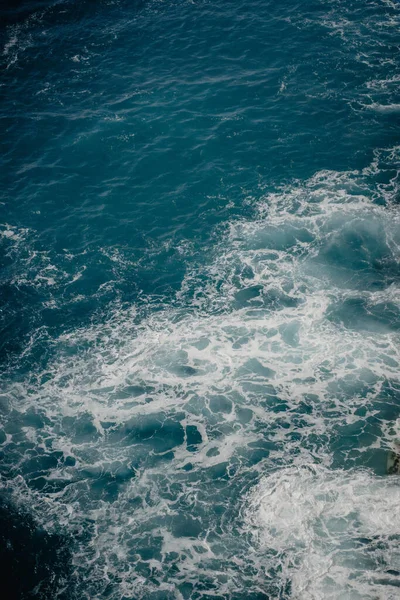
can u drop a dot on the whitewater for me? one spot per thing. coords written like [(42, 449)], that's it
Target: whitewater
[(200, 301)]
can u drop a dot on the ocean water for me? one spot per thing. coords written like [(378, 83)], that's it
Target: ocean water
[(200, 299)]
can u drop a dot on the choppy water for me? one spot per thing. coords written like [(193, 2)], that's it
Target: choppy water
[(200, 300)]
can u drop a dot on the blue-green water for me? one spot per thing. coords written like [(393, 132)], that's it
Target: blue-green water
[(200, 300)]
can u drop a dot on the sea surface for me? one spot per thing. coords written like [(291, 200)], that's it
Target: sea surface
[(199, 299)]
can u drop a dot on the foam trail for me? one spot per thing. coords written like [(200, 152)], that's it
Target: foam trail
[(144, 431), (334, 533)]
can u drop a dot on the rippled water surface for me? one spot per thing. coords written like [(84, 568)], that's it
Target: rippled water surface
[(200, 299)]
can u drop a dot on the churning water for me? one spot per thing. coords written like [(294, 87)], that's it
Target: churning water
[(200, 299)]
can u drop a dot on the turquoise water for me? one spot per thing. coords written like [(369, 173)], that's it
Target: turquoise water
[(200, 301)]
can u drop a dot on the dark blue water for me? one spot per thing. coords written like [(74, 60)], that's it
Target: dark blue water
[(200, 299)]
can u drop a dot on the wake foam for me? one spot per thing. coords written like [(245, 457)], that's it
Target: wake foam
[(334, 534), (141, 435)]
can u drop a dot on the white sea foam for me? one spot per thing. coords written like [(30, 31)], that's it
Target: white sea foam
[(10, 232), (383, 108), (255, 368), (335, 533)]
